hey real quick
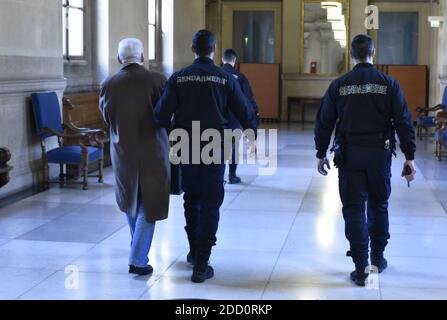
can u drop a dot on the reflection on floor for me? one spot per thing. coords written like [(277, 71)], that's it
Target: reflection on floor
[(281, 237)]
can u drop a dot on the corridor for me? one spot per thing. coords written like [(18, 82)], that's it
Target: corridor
[(281, 237)]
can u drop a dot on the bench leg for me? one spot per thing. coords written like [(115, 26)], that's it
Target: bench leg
[(85, 169), (61, 176), (101, 171)]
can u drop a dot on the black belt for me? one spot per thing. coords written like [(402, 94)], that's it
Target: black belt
[(366, 134), (366, 139)]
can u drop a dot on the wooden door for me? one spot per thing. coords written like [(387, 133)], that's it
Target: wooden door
[(264, 80)]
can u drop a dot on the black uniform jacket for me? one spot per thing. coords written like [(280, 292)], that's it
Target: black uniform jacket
[(246, 89), (206, 93), (362, 102)]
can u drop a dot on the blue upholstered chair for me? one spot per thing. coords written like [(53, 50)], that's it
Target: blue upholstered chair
[(441, 135), (425, 121), (84, 146)]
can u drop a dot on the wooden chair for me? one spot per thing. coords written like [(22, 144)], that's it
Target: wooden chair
[(425, 121), (77, 146), (441, 135)]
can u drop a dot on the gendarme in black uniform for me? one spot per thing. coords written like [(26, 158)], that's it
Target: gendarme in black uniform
[(367, 107), (246, 90), (234, 123), (206, 93)]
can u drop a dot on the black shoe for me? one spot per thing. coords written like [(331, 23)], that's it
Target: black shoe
[(141, 271), (359, 277), (235, 180), (199, 276), (380, 262)]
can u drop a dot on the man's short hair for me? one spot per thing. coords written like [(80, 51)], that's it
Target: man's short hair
[(229, 55), (130, 50), (204, 42), (362, 47)]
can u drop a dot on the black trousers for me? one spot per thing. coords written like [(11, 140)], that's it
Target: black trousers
[(204, 194), (365, 189)]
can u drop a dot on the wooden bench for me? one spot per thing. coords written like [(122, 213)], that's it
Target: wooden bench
[(302, 102), (82, 110)]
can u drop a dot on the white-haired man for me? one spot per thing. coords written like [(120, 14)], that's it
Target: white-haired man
[(139, 149)]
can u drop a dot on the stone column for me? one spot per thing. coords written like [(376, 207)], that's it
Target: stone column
[(189, 17), (115, 20)]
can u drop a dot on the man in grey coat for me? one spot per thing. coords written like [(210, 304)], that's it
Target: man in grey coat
[(139, 149)]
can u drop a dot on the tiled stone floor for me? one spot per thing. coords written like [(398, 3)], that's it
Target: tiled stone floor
[(281, 237)]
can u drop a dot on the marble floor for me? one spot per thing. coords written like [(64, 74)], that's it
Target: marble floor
[(280, 237)]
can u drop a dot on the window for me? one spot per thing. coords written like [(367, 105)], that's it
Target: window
[(73, 29), (254, 36), (155, 32), (398, 38)]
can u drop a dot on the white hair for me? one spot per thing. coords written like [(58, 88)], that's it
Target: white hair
[(130, 50)]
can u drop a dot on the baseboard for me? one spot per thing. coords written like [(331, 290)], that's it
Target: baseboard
[(20, 195)]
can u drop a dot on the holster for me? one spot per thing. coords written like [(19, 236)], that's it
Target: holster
[(339, 152)]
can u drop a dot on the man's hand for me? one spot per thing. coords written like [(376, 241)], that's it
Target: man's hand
[(322, 165), (407, 175)]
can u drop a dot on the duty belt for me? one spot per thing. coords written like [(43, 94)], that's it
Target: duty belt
[(373, 140)]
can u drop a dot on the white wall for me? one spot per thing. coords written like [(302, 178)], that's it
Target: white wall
[(30, 61), (30, 47)]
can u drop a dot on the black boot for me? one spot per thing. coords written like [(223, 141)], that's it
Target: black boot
[(379, 261), (235, 180), (200, 275), (360, 260), (359, 277), (141, 271)]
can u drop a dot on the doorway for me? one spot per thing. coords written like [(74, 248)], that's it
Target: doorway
[(253, 29)]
